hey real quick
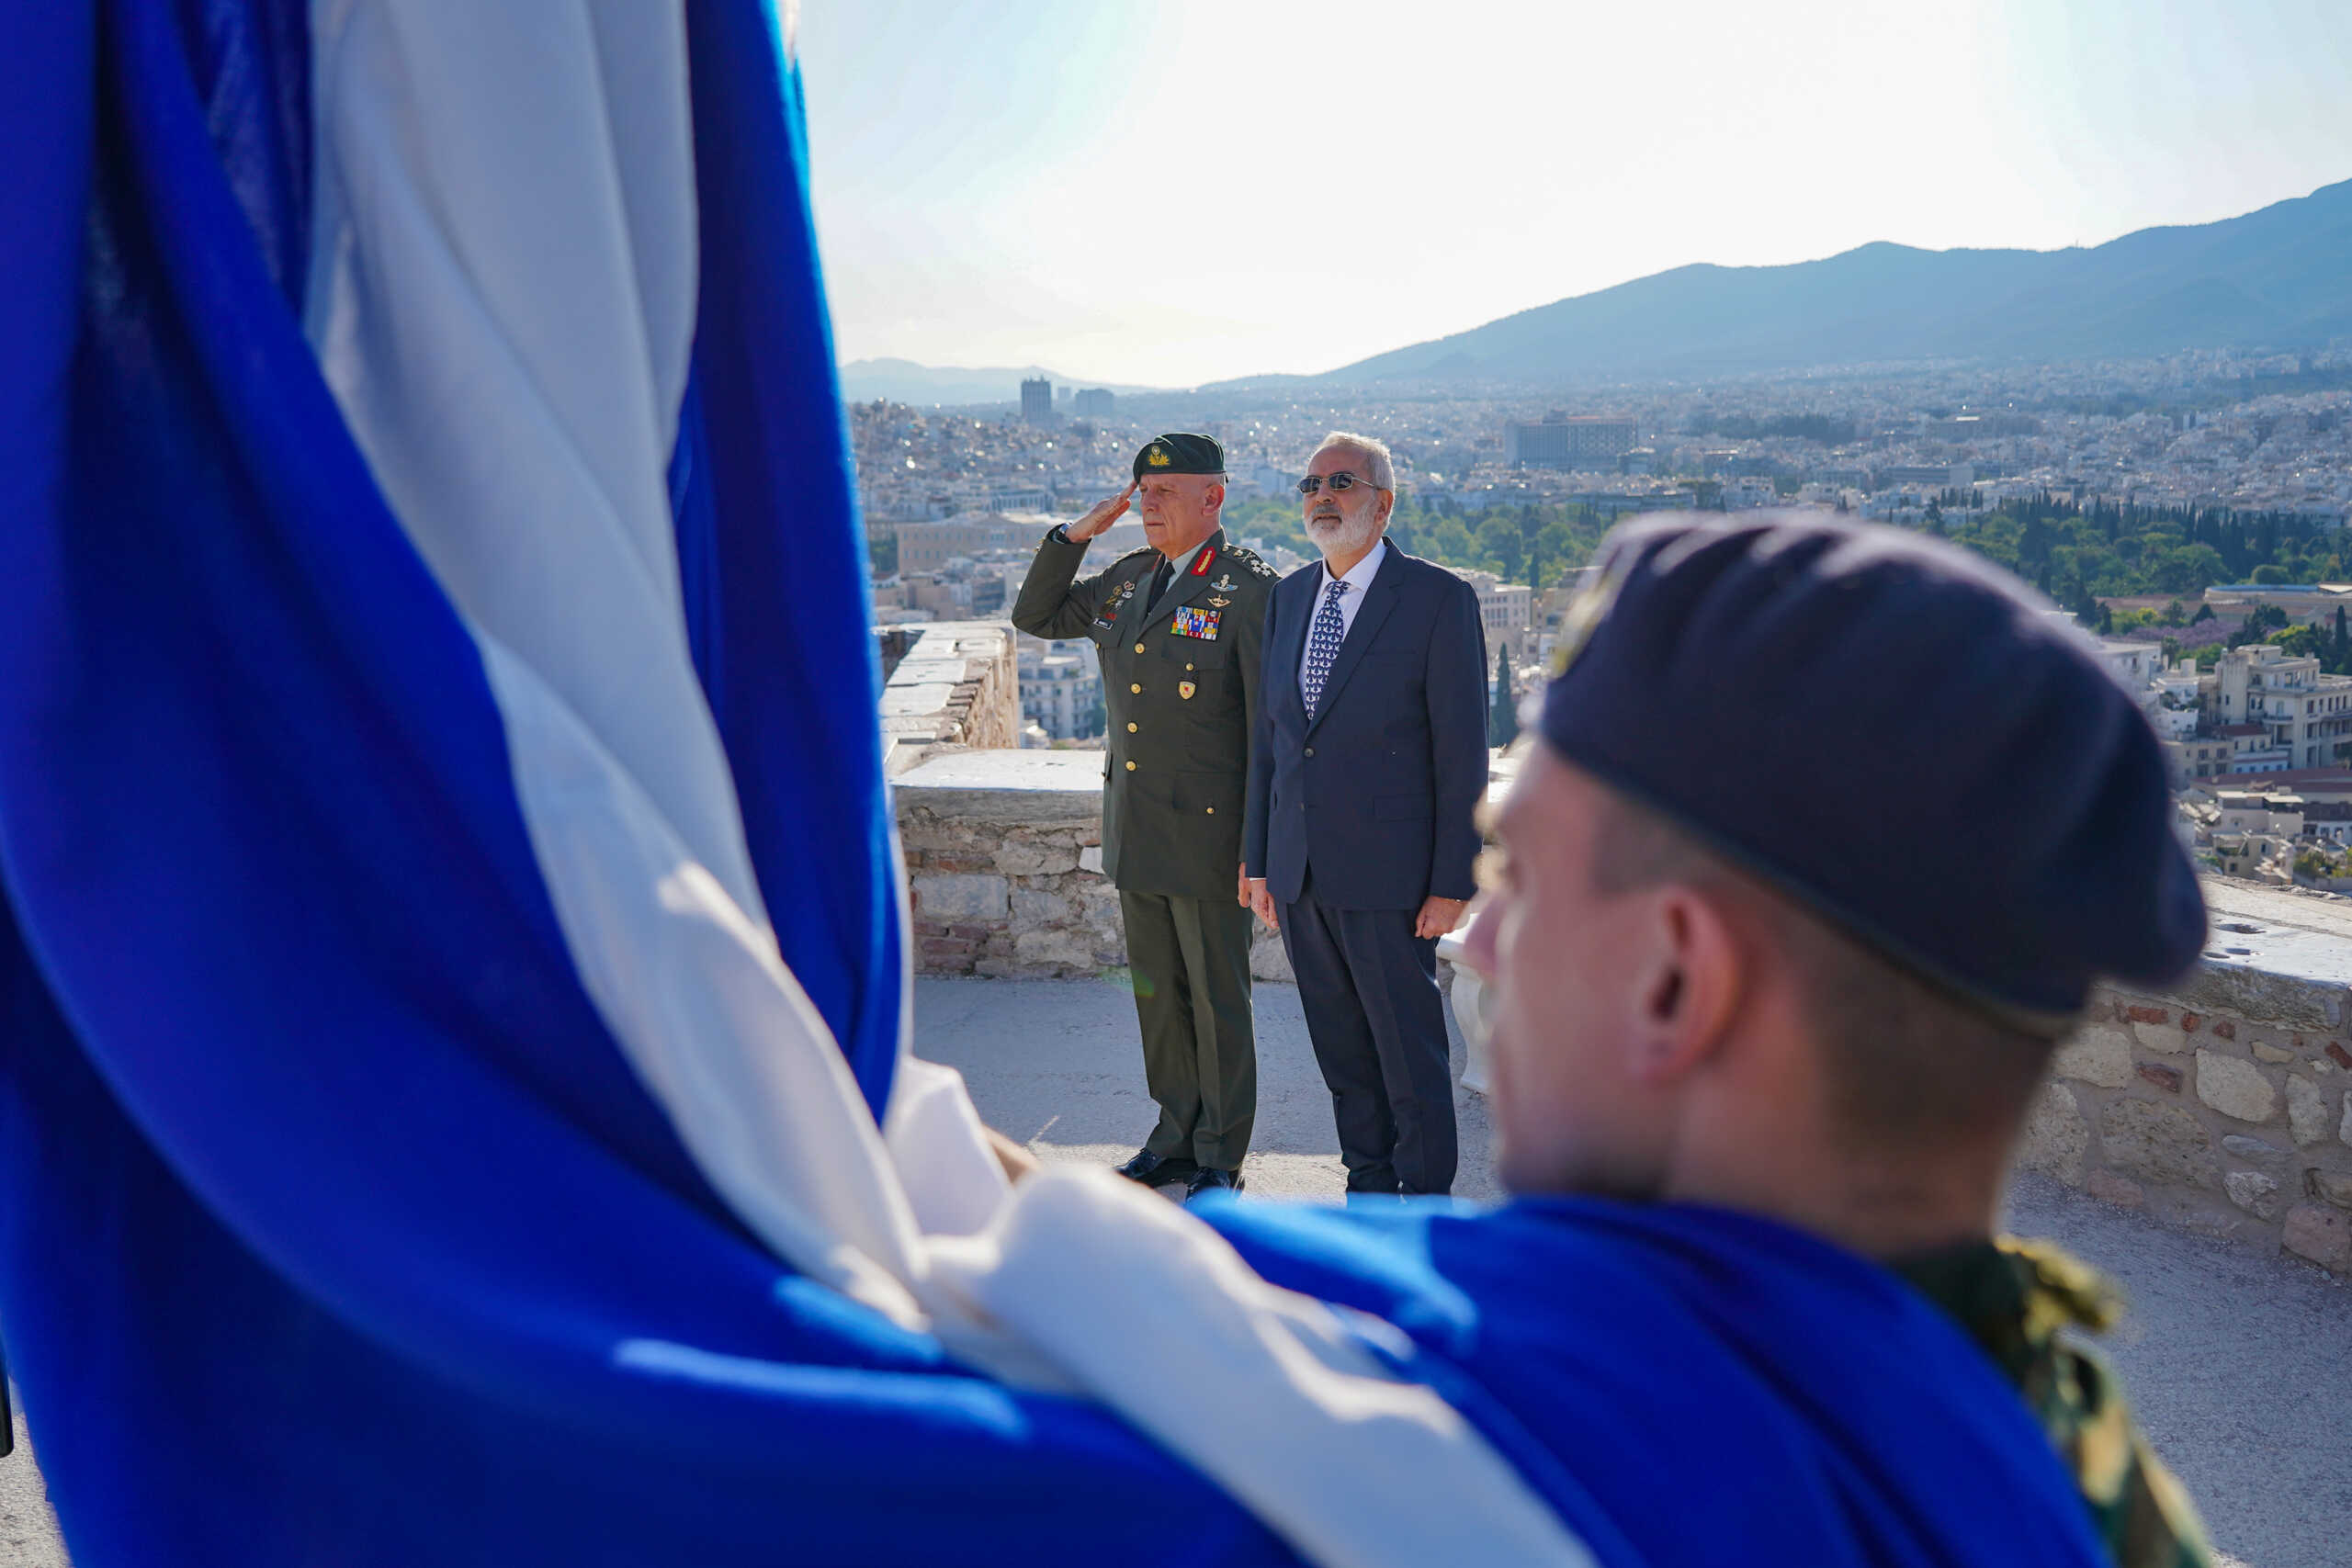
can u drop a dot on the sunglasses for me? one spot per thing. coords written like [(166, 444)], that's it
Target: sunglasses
[(1342, 481)]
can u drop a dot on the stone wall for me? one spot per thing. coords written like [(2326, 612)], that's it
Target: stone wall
[(954, 686), (1004, 868), (2222, 1106)]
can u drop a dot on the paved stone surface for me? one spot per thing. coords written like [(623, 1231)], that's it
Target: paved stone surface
[(2240, 1365), (28, 1530)]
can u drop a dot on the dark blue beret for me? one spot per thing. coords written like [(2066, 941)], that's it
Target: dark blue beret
[(1897, 734)]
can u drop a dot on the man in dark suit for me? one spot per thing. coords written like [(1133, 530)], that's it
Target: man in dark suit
[(1370, 762)]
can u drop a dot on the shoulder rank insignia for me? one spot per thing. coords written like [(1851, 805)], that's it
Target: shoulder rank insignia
[(1195, 623)]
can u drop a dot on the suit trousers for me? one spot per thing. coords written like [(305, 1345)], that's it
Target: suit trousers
[(1374, 1013), (1190, 962)]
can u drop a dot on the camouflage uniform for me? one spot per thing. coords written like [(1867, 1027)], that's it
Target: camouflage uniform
[(2013, 1298)]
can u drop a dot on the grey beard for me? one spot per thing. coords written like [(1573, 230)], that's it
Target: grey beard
[(1342, 536)]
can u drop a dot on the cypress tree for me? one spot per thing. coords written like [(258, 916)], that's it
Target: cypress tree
[(1502, 715)]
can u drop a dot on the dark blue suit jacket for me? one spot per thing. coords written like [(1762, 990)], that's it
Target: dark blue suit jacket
[(1379, 791)]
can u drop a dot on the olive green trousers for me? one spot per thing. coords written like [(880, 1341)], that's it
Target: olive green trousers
[(1189, 960)]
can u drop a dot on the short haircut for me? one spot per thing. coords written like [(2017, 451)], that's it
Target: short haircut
[(1907, 1061), (1376, 457)]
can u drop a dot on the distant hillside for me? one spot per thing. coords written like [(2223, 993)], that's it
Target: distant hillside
[(904, 381), (2281, 277)]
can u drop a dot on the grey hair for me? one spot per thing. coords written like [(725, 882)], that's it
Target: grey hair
[(1375, 452)]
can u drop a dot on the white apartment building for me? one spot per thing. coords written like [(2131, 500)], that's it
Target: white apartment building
[(1061, 687), (1508, 611), (2307, 714)]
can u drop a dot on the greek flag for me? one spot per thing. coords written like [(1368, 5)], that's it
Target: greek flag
[(454, 1103)]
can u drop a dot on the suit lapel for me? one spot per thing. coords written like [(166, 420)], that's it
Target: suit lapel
[(1378, 600)]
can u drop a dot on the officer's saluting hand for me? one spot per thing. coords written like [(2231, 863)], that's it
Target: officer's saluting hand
[(1099, 516), (1177, 625)]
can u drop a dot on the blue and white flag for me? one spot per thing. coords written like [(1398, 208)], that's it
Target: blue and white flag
[(453, 1105)]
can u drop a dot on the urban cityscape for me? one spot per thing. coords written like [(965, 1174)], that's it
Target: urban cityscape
[(2189, 511)]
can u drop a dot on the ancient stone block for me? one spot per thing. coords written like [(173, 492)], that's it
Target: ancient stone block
[(2274, 1055), (2224, 1030), (1035, 859), (2334, 1187), (2157, 1037), (1090, 858), (2344, 1128), (2306, 1110), (2158, 1143), (2253, 1149), (2338, 1054), (1065, 948), (2139, 1014), (2097, 1055), (2108, 1187), (2055, 1137), (956, 898), (2255, 1193), (2322, 1236), (1034, 907), (2234, 1088), (2165, 1079)]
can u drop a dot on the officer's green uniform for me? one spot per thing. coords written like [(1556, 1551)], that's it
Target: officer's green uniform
[(1179, 683)]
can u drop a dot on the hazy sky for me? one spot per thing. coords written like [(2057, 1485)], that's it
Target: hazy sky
[(1166, 193)]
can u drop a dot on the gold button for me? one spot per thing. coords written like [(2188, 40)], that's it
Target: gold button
[(1131, 729), (1187, 667), (1138, 647), (1136, 690), (1131, 767), (1212, 810)]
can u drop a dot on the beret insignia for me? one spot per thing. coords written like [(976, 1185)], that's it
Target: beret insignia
[(1157, 457)]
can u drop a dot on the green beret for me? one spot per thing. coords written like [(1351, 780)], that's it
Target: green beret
[(1181, 454)]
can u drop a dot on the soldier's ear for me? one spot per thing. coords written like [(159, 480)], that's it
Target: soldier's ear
[(1214, 495)]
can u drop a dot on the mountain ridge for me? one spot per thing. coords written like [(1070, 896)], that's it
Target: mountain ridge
[(2279, 276)]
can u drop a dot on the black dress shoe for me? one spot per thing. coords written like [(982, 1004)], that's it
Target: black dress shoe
[(1209, 1179), (1153, 1170)]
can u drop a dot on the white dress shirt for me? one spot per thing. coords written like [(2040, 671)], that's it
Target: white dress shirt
[(1358, 577)]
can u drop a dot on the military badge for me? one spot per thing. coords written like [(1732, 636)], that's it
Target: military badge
[(1185, 689), (1218, 601), (1158, 457), (1195, 623), (1225, 584)]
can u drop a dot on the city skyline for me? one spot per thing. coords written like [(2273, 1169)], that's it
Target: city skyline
[(1139, 195)]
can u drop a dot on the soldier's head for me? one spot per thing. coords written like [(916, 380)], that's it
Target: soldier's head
[(1824, 839), (1179, 490), (1348, 493)]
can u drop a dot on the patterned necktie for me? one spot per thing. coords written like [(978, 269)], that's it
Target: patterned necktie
[(1323, 643)]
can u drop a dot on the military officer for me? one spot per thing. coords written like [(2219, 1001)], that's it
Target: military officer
[(1178, 625)]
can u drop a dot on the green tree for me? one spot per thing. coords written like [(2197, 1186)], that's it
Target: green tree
[(2189, 569), (1502, 714)]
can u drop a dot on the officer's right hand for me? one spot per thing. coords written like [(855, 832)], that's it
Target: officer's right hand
[(1261, 903), (1105, 514)]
